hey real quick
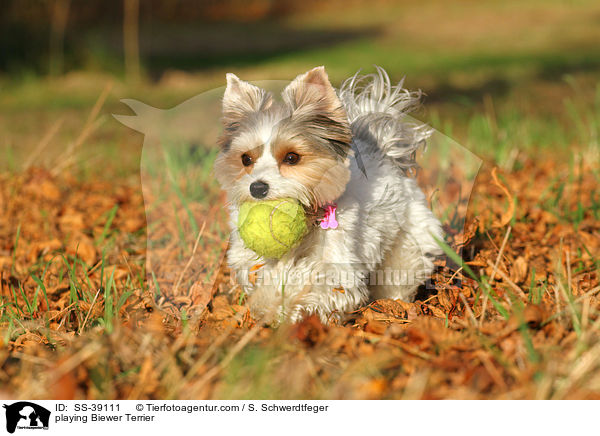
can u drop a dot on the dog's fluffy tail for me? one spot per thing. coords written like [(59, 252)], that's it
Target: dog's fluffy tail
[(378, 113)]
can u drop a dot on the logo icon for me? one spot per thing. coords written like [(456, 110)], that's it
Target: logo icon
[(26, 415)]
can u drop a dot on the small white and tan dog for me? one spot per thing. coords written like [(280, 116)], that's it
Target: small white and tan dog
[(346, 156)]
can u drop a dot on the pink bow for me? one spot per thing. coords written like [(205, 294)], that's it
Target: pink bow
[(329, 221)]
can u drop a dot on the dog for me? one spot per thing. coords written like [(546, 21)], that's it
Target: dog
[(348, 157)]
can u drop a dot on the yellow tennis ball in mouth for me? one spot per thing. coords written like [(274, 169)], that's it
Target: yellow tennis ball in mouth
[(272, 228)]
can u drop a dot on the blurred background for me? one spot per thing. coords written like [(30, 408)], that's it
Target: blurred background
[(500, 77)]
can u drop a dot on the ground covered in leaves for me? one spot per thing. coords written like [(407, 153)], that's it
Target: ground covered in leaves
[(518, 318)]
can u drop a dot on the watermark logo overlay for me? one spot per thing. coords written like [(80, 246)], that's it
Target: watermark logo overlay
[(25, 415), (188, 214), (339, 275)]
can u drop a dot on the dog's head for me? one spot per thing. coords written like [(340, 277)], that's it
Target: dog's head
[(297, 148)]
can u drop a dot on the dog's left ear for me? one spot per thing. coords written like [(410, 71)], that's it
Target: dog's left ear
[(312, 98), (314, 89)]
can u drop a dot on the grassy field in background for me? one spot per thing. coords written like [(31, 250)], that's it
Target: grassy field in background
[(532, 67), (516, 83)]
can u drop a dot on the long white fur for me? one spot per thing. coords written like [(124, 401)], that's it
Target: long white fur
[(386, 229), (379, 109)]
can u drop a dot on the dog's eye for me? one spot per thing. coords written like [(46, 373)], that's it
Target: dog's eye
[(246, 160), (291, 158)]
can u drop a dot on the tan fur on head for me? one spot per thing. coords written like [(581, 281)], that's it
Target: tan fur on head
[(321, 173), (228, 165)]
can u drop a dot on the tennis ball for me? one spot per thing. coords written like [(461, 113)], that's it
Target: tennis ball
[(271, 228)]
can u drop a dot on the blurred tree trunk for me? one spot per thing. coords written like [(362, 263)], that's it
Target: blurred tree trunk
[(131, 39), (58, 25)]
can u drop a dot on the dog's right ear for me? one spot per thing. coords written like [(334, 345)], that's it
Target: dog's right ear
[(241, 98)]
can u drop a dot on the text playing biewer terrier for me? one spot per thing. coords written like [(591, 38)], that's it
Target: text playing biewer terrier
[(324, 214)]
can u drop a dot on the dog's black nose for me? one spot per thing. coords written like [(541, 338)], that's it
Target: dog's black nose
[(259, 189)]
